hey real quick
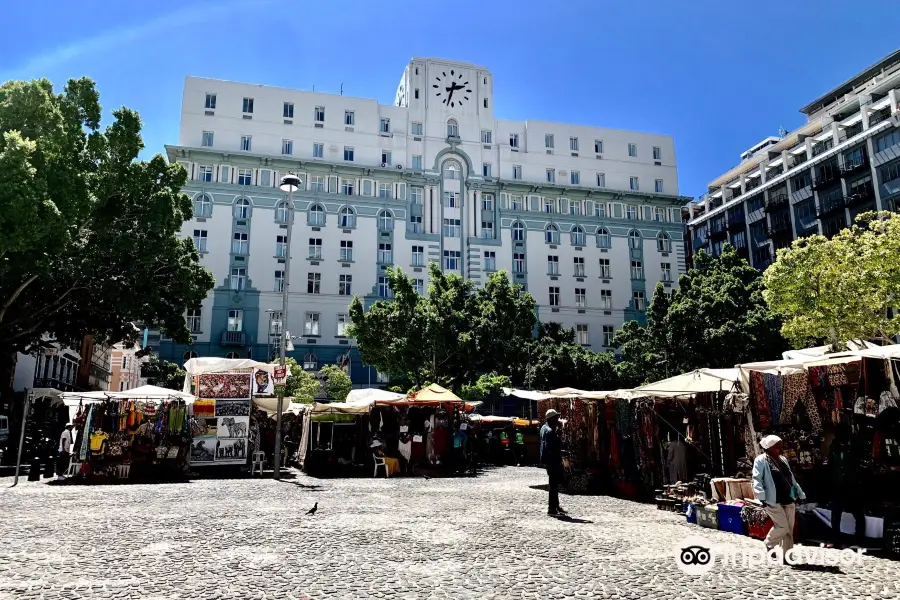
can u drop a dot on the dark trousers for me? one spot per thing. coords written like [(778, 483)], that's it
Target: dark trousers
[(847, 501), (62, 463), (555, 476)]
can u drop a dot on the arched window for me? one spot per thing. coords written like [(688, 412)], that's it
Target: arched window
[(518, 232), (310, 362), (452, 128), (232, 355), (604, 240), (578, 236), (451, 171), (347, 218), (551, 234), (663, 242), (242, 209), (634, 239), (316, 215), (202, 205), (189, 355), (281, 212), (385, 221)]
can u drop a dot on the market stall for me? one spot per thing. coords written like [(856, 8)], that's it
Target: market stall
[(335, 437)]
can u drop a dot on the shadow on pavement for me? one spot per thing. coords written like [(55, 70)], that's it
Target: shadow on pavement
[(568, 519)]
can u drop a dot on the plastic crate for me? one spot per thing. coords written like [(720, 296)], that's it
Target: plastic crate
[(760, 531), (690, 511), (730, 518), (707, 517)]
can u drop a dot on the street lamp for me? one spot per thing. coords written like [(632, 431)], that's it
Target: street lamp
[(290, 183)]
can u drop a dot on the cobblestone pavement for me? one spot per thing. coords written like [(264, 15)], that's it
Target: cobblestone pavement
[(485, 537)]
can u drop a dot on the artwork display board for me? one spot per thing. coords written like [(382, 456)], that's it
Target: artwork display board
[(224, 406)]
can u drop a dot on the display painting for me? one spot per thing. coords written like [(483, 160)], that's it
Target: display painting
[(224, 385)]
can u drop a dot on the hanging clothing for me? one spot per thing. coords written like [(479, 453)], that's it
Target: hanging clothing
[(797, 390), (760, 403), (676, 460), (774, 387)]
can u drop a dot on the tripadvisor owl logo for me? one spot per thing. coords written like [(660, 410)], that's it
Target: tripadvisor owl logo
[(696, 555)]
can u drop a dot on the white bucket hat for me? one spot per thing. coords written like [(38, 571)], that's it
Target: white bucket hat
[(769, 441), (551, 413)]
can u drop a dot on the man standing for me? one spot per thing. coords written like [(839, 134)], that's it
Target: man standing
[(551, 456), (774, 485), (65, 450)]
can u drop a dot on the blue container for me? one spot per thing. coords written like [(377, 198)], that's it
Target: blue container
[(691, 512), (730, 518)]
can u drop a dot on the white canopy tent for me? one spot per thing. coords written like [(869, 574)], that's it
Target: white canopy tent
[(148, 393), (214, 364), (690, 384), (372, 395)]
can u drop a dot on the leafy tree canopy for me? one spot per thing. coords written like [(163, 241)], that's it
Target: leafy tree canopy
[(489, 385), (335, 382), (553, 360), (163, 373), (301, 385), (90, 240), (839, 289)]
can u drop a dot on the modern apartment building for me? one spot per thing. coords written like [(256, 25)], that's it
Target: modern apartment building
[(587, 218), (845, 160)]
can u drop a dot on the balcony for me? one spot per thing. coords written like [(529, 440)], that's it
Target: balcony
[(752, 184), (780, 227), (233, 338), (777, 201), (718, 232), (743, 252), (825, 178), (700, 242), (854, 164), (830, 206), (59, 384), (736, 223), (860, 195)]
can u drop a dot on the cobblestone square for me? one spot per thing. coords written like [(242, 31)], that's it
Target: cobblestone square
[(484, 537)]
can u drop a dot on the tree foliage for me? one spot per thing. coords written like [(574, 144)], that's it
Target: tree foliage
[(839, 289), (163, 373), (90, 240), (553, 360), (489, 385), (301, 385), (335, 382)]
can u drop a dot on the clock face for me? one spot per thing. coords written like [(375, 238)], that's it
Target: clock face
[(451, 89)]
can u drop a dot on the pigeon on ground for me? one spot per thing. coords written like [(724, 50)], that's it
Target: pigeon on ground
[(426, 476), (313, 510)]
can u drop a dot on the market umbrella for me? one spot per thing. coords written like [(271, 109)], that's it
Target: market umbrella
[(688, 384), (434, 393)]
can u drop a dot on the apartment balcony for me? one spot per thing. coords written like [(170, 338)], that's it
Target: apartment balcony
[(780, 227), (822, 147), (59, 384), (717, 233), (737, 223), (825, 178), (861, 195), (743, 252), (776, 202), (752, 184), (700, 243), (854, 165), (233, 338), (830, 206), (877, 117)]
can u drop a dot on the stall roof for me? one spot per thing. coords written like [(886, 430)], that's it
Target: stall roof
[(144, 392), (689, 384), (345, 408), (214, 364), (823, 350), (567, 393), (434, 393), (54, 394), (372, 394)]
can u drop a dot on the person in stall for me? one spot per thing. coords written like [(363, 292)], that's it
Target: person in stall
[(775, 486), (65, 449), (844, 460), (551, 457)]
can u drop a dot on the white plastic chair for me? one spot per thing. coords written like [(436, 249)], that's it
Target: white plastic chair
[(74, 468), (259, 460), (379, 462)]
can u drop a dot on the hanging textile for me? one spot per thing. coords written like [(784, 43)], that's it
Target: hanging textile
[(760, 403), (86, 435), (797, 390)]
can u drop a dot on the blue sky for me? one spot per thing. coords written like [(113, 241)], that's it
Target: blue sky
[(718, 75)]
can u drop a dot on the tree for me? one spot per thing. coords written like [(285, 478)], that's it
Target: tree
[(335, 382), (163, 373), (553, 360), (90, 240), (839, 289), (301, 384), (489, 385), (645, 348)]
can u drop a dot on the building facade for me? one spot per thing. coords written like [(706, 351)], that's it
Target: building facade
[(125, 368), (845, 160), (587, 218)]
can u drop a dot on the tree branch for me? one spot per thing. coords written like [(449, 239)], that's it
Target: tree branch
[(15, 295)]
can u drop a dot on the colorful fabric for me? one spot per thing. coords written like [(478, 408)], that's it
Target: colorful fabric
[(774, 395), (797, 390), (758, 392)]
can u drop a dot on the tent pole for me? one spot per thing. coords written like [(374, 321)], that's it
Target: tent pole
[(22, 436)]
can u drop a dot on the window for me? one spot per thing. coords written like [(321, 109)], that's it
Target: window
[(419, 285), (658, 186), (634, 239), (638, 298), (279, 281), (238, 278), (884, 142), (316, 215), (235, 320), (601, 180), (889, 172), (659, 214), (575, 177), (310, 360), (311, 327), (385, 220), (385, 254), (580, 297), (578, 236), (581, 334), (515, 203), (578, 265), (210, 102), (206, 174), (349, 118), (452, 128), (242, 209), (416, 128), (666, 269), (487, 202), (452, 260), (246, 142), (281, 212), (517, 172), (348, 153), (631, 212), (548, 140), (384, 287), (288, 111), (632, 150), (549, 205), (451, 171), (275, 323), (319, 152), (319, 114), (452, 228), (551, 234), (385, 126), (348, 186), (207, 139), (193, 323), (609, 333), (418, 256), (315, 248), (245, 176), (346, 250), (487, 136), (342, 323), (486, 169), (281, 246), (663, 242), (344, 285), (551, 175), (287, 147), (604, 239), (553, 265), (200, 240), (415, 224), (657, 153), (606, 299), (417, 162), (514, 140), (248, 105), (451, 199), (518, 262), (239, 243), (573, 144), (313, 283), (600, 210), (554, 296), (202, 206), (485, 103), (317, 183), (487, 230), (604, 268), (637, 269), (634, 184), (518, 232), (598, 146), (384, 190), (490, 261)]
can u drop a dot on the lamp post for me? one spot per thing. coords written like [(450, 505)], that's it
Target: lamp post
[(290, 183)]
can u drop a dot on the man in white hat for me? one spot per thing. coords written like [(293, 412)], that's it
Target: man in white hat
[(65, 450), (775, 486), (551, 456)]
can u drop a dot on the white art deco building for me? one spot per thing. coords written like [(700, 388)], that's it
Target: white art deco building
[(587, 218)]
